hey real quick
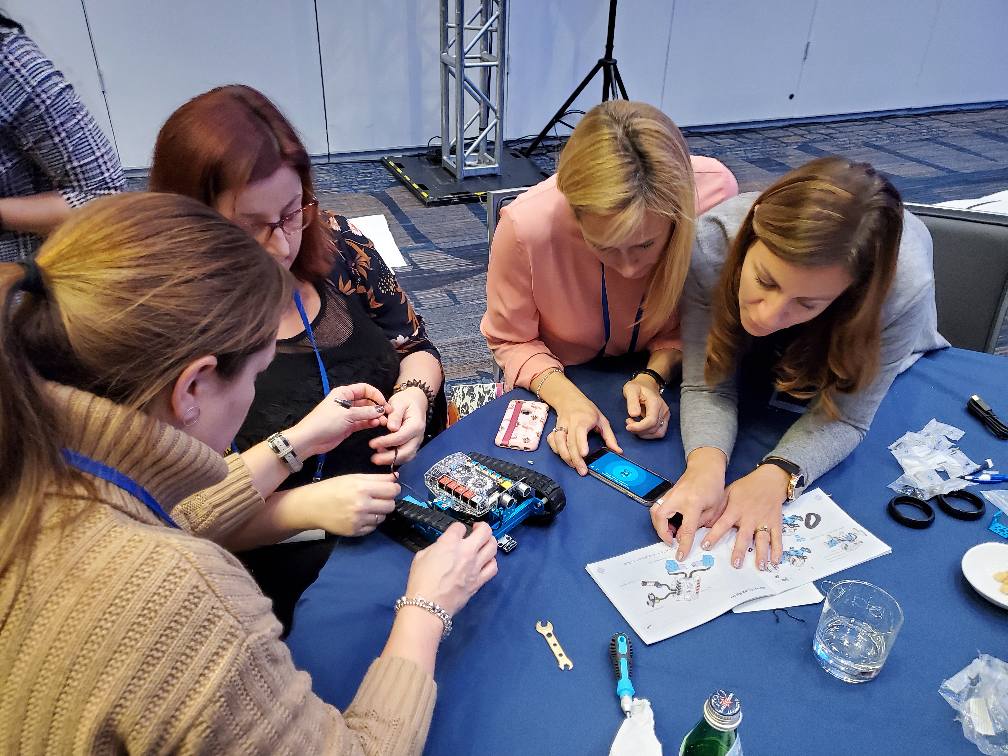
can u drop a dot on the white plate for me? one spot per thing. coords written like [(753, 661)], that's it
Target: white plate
[(979, 565)]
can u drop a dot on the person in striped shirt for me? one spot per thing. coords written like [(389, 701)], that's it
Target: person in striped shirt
[(53, 155)]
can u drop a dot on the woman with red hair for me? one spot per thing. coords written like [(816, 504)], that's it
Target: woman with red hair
[(348, 322)]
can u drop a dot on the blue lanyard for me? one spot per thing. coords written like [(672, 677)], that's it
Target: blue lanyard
[(93, 467), (605, 321), (321, 366)]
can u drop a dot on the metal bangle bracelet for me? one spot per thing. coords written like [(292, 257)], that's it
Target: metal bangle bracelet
[(975, 513), (911, 522)]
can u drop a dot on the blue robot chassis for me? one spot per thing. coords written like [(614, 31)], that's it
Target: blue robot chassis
[(470, 488)]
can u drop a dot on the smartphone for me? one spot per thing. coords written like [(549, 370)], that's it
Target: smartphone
[(627, 477)]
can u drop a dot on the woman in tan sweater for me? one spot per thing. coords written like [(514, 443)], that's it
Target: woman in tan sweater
[(128, 352)]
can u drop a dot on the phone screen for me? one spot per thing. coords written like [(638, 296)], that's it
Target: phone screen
[(627, 475)]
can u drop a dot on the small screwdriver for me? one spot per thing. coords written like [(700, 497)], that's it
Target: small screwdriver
[(621, 653)]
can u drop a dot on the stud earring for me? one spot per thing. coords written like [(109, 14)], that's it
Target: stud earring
[(190, 416)]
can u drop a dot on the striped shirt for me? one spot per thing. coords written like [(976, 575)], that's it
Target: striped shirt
[(48, 140)]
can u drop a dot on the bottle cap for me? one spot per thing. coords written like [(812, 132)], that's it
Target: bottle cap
[(723, 711)]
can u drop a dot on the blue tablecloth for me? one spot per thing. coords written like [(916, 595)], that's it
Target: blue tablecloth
[(499, 688)]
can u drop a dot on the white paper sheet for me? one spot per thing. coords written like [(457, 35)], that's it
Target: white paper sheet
[(991, 203), (661, 597), (800, 596), (376, 228)]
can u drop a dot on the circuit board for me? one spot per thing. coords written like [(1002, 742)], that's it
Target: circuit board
[(473, 488)]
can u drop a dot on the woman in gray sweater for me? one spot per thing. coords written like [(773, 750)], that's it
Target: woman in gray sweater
[(829, 280)]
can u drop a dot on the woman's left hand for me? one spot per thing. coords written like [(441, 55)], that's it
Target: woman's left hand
[(407, 423), (755, 507), (644, 401)]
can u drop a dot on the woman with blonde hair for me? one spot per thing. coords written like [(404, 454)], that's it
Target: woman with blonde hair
[(129, 351), (825, 284), (590, 263)]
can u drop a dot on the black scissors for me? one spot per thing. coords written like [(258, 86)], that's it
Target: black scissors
[(899, 504)]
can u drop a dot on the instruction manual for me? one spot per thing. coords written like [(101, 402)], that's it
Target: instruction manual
[(661, 597)]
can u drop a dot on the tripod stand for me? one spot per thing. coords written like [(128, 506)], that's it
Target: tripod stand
[(611, 79)]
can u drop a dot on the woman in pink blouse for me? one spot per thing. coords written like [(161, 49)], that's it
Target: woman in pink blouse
[(591, 263)]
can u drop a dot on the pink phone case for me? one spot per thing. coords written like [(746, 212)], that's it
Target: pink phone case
[(522, 425)]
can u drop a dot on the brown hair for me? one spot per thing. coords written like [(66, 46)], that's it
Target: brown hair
[(125, 294), (626, 159), (224, 140), (827, 212)]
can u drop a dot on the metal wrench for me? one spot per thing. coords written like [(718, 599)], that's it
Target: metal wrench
[(545, 629)]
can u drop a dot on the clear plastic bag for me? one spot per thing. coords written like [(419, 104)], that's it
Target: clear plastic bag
[(979, 694)]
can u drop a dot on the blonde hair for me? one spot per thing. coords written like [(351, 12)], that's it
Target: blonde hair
[(121, 297), (830, 211), (626, 159)]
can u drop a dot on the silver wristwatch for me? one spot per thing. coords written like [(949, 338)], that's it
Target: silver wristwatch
[(283, 449)]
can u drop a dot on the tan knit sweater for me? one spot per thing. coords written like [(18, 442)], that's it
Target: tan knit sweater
[(130, 636)]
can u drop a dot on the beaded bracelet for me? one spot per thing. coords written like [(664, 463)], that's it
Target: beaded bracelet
[(423, 386), (431, 607)]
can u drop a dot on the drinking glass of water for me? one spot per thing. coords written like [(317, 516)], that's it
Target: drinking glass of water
[(857, 629)]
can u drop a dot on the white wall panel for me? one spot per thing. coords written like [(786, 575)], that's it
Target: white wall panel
[(380, 68), (554, 44), (734, 61), (156, 55), (967, 60), (865, 55), (58, 28), (702, 61)]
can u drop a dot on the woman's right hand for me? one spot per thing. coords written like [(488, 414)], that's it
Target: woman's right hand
[(350, 505), (577, 416), (698, 496), (329, 424), (454, 567)]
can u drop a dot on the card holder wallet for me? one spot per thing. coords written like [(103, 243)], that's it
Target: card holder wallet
[(522, 425)]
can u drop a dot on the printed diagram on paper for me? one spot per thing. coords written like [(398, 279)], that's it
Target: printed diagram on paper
[(661, 597)]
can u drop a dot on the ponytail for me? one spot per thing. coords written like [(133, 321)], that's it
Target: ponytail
[(29, 452)]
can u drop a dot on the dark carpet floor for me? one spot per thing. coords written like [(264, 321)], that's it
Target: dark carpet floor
[(930, 157)]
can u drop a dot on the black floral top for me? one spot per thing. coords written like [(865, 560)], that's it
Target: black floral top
[(365, 326), (360, 271)]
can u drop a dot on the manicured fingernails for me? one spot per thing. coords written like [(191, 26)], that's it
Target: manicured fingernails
[(680, 555), (705, 545), (737, 562), (762, 566)]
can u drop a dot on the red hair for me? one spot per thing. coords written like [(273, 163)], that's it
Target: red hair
[(228, 138)]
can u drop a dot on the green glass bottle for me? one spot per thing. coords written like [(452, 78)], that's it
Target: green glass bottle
[(715, 735)]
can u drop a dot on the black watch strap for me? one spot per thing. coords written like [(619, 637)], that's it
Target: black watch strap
[(654, 374), (797, 476)]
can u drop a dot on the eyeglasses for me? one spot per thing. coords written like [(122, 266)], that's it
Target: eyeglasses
[(290, 224)]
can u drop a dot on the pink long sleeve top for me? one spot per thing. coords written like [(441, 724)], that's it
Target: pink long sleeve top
[(544, 285)]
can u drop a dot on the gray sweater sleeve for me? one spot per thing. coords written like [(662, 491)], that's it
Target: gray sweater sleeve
[(708, 415)]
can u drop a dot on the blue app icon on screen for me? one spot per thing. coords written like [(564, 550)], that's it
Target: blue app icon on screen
[(625, 474)]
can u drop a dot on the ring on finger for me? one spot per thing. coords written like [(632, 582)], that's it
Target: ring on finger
[(763, 529)]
